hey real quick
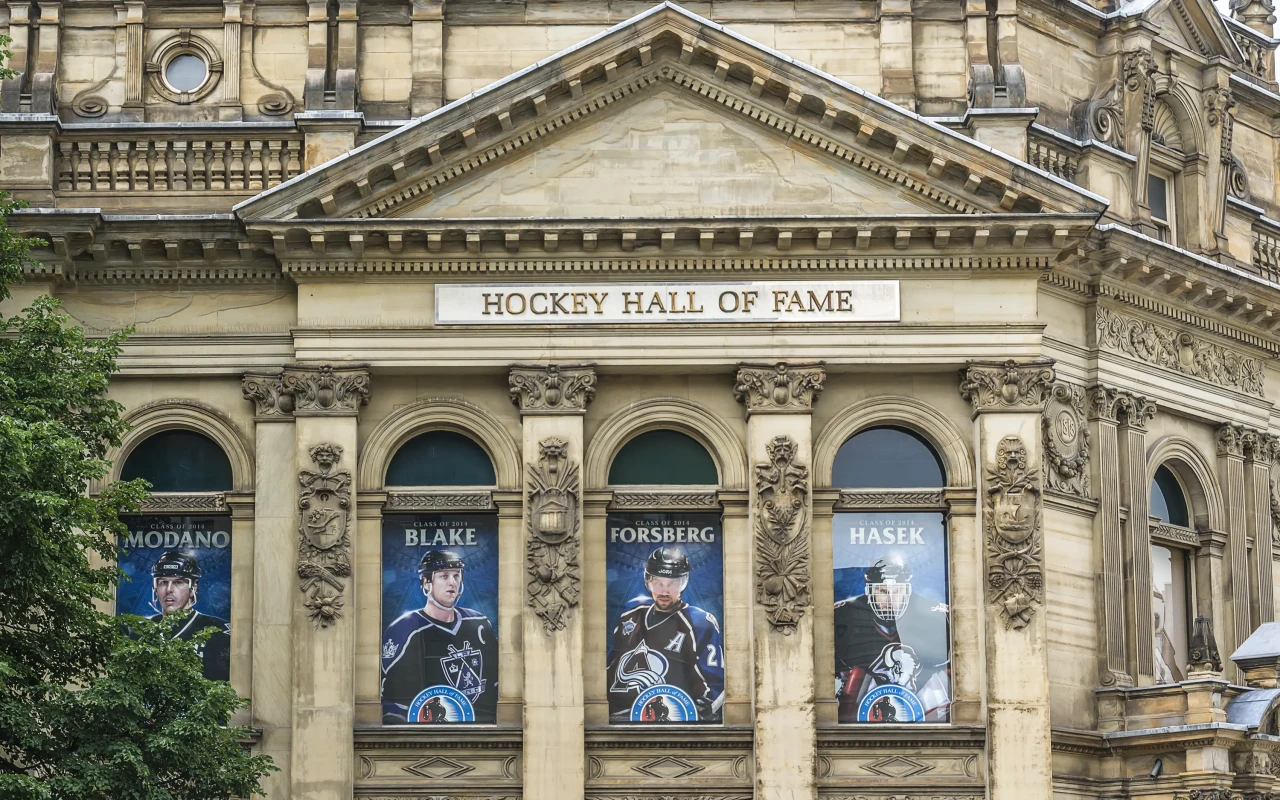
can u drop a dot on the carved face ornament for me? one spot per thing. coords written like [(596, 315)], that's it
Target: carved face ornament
[(1015, 510)]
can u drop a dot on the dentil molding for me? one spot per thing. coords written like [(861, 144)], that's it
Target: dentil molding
[(779, 388)]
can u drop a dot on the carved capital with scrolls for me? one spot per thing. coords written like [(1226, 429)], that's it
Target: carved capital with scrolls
[(324, 535), (266, 390), (552, 388), (1006, 385), (782, 535), (1120, 407), (779, 388), (325, 389), (1230, 439), (1013, 526)]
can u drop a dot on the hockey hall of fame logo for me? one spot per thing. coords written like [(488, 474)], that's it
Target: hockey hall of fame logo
[(890, 703), (664, 703)]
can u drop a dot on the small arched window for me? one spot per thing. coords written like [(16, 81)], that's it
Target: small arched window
[(1168, 501), (1164, 172), (441, 458), (887, 458), (663, 458), (179, 461)]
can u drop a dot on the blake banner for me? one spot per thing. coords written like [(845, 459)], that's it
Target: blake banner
[(665, 598), (180, 563), (439, 618), (892, 619)]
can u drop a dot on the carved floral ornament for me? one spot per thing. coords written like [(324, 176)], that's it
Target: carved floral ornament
[(1007, 385), (1120, 407), (318, 390), (782, 535), (1066, 440), (554, 523), (1013, 528), (324, 536), (552, 388), (1140, 69), (779, 387)]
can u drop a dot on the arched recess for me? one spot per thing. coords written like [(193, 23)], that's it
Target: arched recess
[(677, 414), (165, 415), (1196, 475), (1183, 107), (903, 412), (438, 414)]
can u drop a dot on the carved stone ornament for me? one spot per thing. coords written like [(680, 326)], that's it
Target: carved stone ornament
[(326, 389), (554, 523), (1219, 108), (324, 535), (1120, 407), (184, 503), (552, 388), (1230, 440), (440, 501), (1008, 385), (1202, 652), (1178, 351), (1104, 117), (1012, 523), (266, 390), (1139, 77), (780, 387), (782, 535), (1066, 440)]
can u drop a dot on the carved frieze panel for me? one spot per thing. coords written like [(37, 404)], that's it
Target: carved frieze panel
[(184, 503), (552, 388), (1178, 351), (780, 387), (889, 498), (439, 501), (554, 523), (949, 766), (416, 764), (324, 535), (1174, 534), (1013, 527), (1066, 440), (689, 767), (1006, 385), (782, 535), (658, 500)]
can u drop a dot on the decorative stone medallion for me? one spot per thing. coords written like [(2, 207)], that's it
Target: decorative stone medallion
[(1066, 440), (324, 535)]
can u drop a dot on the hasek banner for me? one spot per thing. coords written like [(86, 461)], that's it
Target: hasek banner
[(892, 619), (657, 302), (665, 598), (179, 567), (439, 618)]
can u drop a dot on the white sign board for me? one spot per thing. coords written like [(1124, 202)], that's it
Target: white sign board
[(655, 302)]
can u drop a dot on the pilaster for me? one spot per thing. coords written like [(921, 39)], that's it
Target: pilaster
[(1134, 413), (1231, 446), (552, 400), (135, 12), (427, 35), (1260, 449), (897, 49), (1106, 409), (19, 33), (511, 580), (779, 400), (1008, 399), (231, 21)]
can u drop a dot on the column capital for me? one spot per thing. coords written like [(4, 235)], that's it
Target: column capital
[(552, 388), (320, 390), (1120, 407), (779, 388), (1020, 386), (1230, 439), (271, 402)]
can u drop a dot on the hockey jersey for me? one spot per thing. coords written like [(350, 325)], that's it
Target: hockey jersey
[(682, 648), (215, 653), (419, 652)]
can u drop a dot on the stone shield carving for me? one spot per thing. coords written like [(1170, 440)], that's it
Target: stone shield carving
[(1012, 521), (554, 526), (1066, 440), (782, 535), (324, 535)]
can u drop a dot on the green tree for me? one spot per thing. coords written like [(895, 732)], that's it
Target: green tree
[(92, 707)]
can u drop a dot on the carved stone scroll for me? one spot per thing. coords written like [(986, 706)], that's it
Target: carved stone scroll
[(184, 503), (326, 389), (266, 390), (1178, 351), (1013, 525), (554, 523), (782, 535), (1006, 385), (780, 387), (1121, 407), (324, 535), (1139, 77), (552, 388)]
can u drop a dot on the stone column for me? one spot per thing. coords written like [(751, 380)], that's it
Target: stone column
[(1135, 493), (552, 400), (274, 554), (1008, 399), (327, 400), (1260, 449), (230, 108), (779, 400), (1230, 439), (739, 598)]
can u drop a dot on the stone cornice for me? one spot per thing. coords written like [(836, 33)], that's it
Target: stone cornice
[(779, 388), (552, 388), (1006, 385)]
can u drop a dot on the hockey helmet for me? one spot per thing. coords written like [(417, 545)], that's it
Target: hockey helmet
[(888, 589), (176, 564), (668, 562)]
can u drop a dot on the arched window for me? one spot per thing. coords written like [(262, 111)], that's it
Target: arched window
[(889, 554), (1164, 172), (441, 458), (1168, 501), (1171, 570), (887, 458), (179, 461), (663, 458)]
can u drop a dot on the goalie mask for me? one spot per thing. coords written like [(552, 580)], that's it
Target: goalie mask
[(889, 589), (668, 562)]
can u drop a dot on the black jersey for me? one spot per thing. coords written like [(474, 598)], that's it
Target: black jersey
[(681, 648), (861, 636), (419, 652), (215, 653)]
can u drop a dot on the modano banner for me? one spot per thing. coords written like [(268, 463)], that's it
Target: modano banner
[(648, 303)]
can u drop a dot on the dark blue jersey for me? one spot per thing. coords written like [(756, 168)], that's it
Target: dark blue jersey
[(682, 648), (215, 653), (419, 652)]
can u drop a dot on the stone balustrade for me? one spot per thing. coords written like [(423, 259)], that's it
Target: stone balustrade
[(1052, 157), (1266, 254)]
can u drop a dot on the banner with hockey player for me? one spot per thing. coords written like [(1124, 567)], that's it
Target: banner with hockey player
[(439, 618), (892, 619), (174, 564), (665, 598)]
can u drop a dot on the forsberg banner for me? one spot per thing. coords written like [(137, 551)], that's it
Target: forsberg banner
[(665, 599), (648, 303), (177, 563), (439, 618)]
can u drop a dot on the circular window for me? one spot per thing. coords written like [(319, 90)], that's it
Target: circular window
[(185, 72)]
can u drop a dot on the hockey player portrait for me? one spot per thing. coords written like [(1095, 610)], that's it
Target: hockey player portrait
[(892, 636), (178, 570), (666, 654), (440, 657)]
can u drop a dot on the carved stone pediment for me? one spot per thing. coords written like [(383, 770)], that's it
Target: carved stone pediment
[(324, 540)]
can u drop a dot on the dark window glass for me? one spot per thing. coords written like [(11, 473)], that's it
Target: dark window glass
[(441, 458), (663, 458), (179, 461), (1167, 500), (1158, 197), (886, 458)]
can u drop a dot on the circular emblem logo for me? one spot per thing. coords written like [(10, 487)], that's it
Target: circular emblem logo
[(1067, 426), (441, 704), (890, 703), (664, 703)]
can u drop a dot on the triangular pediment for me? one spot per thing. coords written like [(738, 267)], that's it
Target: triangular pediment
[(668, 114), (1194, 25)]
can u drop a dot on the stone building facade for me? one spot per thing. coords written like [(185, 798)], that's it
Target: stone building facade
[(1001, 280)]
